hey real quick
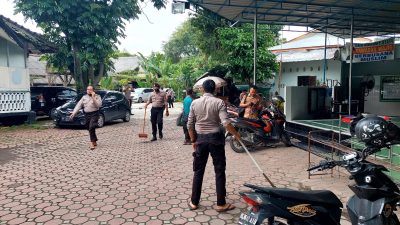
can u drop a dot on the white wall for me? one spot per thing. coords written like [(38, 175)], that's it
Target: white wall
[(375, 106), (296, 103), (290, 72)]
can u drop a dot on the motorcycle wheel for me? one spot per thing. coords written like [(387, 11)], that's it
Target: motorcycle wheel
[(391, 220), (236, 146), (286, 139)]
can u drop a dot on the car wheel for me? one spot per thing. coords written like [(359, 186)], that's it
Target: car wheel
[(127, 117), (52, 113), (140, 100), (100, 122)]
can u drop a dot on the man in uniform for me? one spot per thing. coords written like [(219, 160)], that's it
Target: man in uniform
[(158, 99), (127, 90), (205, 117), (91, 103)]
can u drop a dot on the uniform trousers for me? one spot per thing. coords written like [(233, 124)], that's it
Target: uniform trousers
[(91, 119), (213, 144), (156, 119)]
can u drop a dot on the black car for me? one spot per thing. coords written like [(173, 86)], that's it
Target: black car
[(115, 106), (45, 99)]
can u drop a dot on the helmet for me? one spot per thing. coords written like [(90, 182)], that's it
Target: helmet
[(372, 131), (277, 100)]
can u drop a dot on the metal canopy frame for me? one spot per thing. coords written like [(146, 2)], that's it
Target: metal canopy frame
[(341, 18), (370, 17)]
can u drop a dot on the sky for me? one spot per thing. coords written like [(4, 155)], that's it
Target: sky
[(144, 35)]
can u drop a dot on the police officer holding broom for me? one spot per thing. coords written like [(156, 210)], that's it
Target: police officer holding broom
[(206, 115), (159, 102)]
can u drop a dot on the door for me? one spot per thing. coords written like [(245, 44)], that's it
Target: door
[(109, 106), (121, 103), (146, 93)]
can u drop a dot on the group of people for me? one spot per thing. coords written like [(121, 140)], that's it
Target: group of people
[(202, 127)]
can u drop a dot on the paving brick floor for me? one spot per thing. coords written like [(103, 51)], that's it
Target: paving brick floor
[(51, 177)]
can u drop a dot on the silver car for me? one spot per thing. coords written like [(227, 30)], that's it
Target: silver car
[(141, 94)]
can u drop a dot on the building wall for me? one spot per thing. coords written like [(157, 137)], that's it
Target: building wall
[(290, 72), (14, 79), (372, 102)]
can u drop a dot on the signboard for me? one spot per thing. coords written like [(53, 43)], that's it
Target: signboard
[(390, 91), (375, 51)]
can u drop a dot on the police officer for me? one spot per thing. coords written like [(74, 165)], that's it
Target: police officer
[(159, 102), (91, 103), (205, 116)]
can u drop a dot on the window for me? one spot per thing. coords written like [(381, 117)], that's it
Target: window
[(319, 68), (3, 52), (16, 56), (306, 80), (311, 68), (66, 94), (297, 69), (304, 69), (290, 69), (284, 70)]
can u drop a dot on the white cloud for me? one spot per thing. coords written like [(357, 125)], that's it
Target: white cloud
[(141, 35)]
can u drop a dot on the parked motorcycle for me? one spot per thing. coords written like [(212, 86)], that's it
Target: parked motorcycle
[(376, 195), (267, 129)]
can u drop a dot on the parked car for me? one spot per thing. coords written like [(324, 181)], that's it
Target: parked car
[(115, 106), (45, 99), (141, 94)]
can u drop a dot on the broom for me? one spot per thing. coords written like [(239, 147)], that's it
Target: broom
[(143, 135)]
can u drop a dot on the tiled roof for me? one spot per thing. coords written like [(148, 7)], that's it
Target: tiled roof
[(21, 35)]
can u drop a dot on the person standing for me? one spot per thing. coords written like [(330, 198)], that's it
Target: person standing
[(251, 103), (205, 116), (187, 102), (91, 103), (127, 90), (170, 98), (158, 99)]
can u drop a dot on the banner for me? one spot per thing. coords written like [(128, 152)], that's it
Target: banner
[(374, 51)]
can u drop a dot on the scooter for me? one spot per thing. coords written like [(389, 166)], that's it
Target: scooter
[(375, 200), (264, 131)]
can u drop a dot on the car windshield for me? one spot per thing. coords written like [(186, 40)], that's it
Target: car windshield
[(79, 96)]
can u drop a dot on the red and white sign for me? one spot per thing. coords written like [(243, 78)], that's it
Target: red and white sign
[(374, 51)]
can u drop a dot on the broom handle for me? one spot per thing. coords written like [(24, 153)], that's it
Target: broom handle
[(144, 119)]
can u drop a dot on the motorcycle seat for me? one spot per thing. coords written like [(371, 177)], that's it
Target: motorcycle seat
[(320, 197), (257, 121)]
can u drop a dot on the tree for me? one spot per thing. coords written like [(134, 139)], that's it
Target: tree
[(88, 29), (238, 42), (181, 44)]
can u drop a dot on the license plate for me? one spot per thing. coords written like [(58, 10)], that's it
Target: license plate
[(66, 119), (249, 218)]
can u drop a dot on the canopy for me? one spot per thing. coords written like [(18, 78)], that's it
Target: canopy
[(219, 82), (371, 17)]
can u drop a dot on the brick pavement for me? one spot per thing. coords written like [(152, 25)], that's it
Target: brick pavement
[(51, 177)]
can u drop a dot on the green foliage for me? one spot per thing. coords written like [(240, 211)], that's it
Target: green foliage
[(238, 44), (182, 43), (107, 83), (86, 30)]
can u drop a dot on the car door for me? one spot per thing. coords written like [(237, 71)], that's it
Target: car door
[(109, 106), (121, 103), (147, 93)]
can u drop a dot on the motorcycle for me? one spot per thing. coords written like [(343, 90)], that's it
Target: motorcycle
[(267, 129), (375, 200)]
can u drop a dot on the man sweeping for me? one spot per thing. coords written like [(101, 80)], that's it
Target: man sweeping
[(205, 116), (159, 102)]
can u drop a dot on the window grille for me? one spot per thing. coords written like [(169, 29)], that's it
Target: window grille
[(14, 102)]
